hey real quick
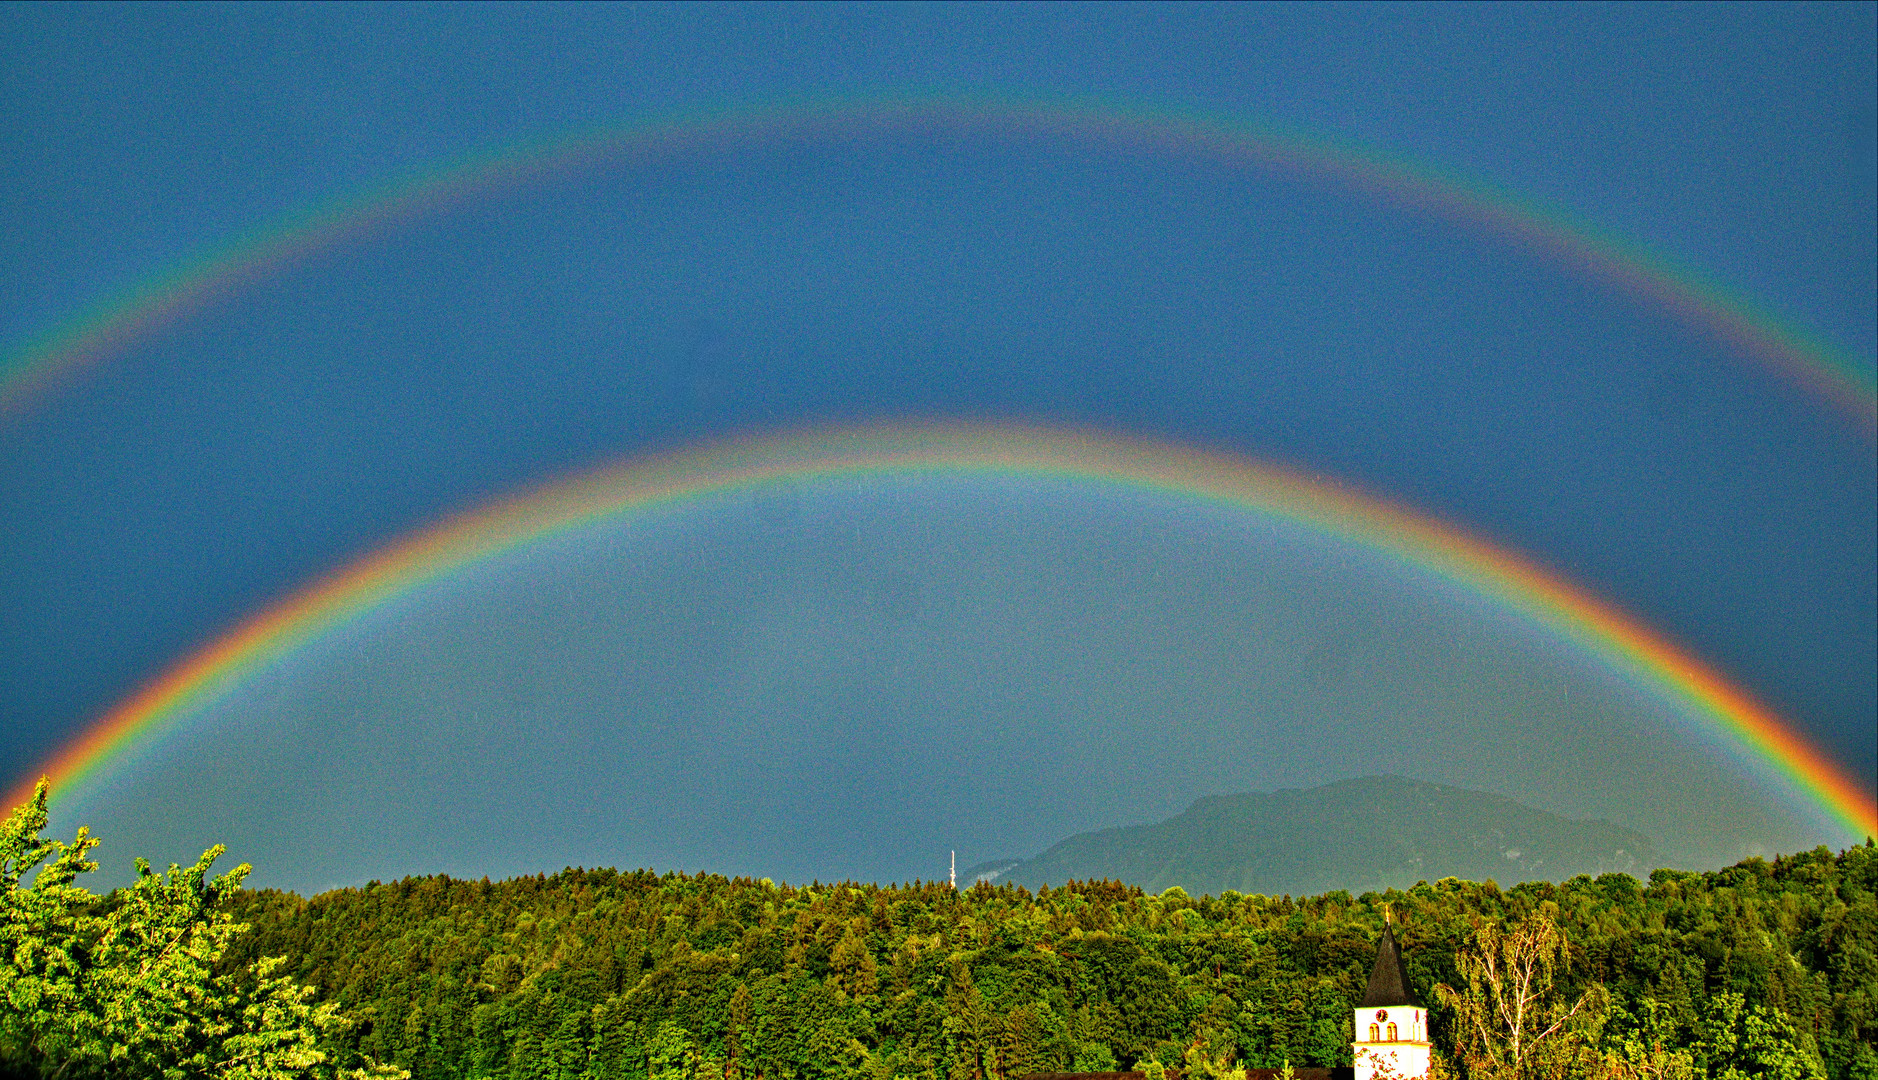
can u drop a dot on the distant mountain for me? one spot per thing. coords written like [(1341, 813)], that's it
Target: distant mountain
[(1365, 834)]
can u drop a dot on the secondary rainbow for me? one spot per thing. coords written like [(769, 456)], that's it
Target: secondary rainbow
[(30, 372), (1614, 638)]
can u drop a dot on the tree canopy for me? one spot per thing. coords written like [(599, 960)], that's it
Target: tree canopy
[(1766, 968), (1767, 965), (133, 984)]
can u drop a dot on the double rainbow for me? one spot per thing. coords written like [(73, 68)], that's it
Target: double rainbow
[(33, 370), (1611, 637)]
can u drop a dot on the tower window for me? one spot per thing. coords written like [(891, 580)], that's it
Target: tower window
[(1375, 1033), (1392, 1037)]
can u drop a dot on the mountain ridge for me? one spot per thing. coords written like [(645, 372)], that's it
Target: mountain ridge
[(1361, 834)]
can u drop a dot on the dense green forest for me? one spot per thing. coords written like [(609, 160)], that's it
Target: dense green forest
[(1764, 968)]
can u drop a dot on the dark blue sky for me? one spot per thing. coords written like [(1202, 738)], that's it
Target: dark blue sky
[(298, 423)]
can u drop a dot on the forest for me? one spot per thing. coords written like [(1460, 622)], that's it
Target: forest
[(1765, 968)]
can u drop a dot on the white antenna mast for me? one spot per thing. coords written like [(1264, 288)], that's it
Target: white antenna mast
[(955, 871)]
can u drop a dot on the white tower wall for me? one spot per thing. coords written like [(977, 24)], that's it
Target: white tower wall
[(1379, 1056)]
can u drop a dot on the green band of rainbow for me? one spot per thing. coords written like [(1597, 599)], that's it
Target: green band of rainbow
[(1612, 637), (29, 373)]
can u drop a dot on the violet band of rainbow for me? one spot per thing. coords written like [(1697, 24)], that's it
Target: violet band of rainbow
[(30, 372), (1508, 580)]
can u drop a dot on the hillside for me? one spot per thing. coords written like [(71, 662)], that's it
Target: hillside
[(1371, 833), (598, 973)]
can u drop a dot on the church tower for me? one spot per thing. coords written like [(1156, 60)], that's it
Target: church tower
[(1391, 1029)]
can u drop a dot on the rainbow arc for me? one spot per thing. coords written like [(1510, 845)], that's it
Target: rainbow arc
[(32, 371), (1611, 637)]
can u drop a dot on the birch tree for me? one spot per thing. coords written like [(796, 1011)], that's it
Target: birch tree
[(1510, 1021)]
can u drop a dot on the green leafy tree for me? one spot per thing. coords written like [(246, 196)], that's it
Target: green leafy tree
[(159, 1007), (1511, 1022), (279, 1031), (1739, 1041), (46, 1016), (128, 984), (1202, 1063), (671, 1054), (1093, 1057), (1647, 1047)]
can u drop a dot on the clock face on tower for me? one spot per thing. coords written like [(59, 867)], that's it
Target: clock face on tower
[(1381, 1015)]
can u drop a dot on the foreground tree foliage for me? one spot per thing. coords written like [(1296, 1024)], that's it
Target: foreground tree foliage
[(132, 984), (1762, 969)]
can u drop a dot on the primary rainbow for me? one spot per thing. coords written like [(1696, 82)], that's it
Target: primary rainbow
[(30, 372), (1614, 638)]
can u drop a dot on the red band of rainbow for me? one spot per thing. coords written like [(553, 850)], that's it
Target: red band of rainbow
[(1516, 584)]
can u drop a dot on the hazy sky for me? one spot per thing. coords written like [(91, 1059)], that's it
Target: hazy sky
[(853, 683)]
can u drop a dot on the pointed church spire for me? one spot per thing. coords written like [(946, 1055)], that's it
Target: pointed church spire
[(1387, 984)]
